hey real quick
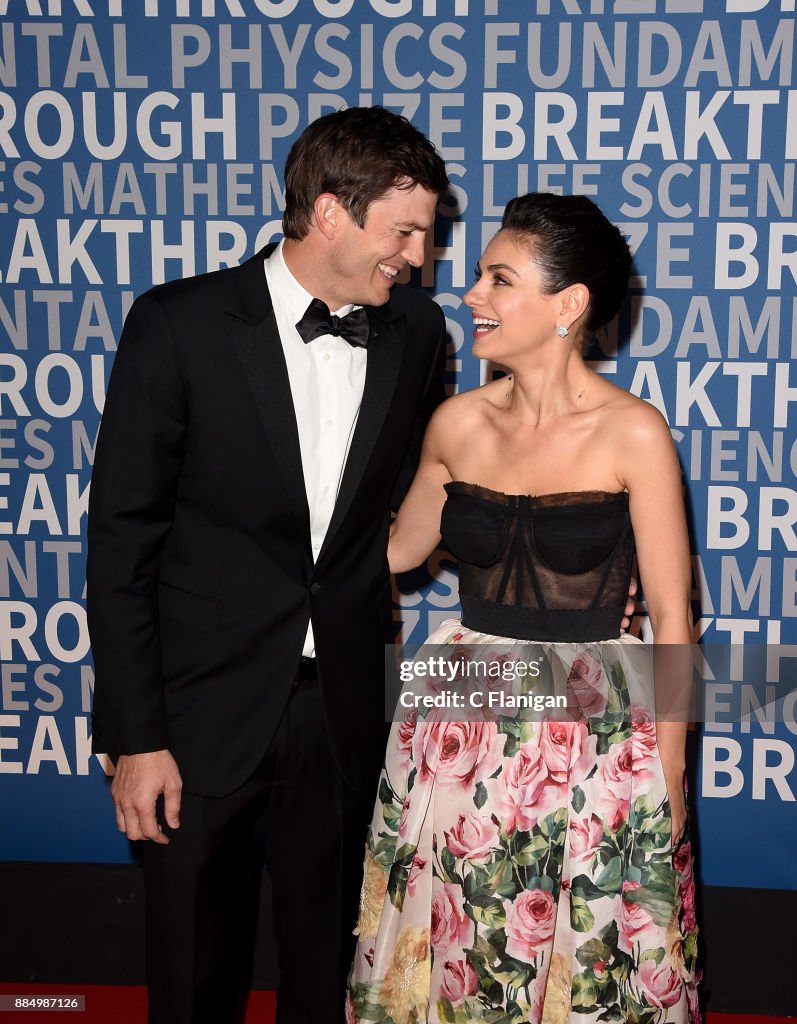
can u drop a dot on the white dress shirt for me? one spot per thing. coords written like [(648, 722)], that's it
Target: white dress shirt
[(327, 377)]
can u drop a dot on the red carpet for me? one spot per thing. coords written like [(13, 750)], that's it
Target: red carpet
[(117, 1004)]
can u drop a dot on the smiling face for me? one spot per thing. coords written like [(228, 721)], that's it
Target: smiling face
[(511, 315), (366, 261)]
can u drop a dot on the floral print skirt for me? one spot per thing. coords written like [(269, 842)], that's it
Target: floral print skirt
[(523, 870)]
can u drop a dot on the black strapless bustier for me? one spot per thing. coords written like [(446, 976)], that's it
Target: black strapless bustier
[(554, 567)]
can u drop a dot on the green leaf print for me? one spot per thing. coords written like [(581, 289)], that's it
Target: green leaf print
[(661, 875), (584, 992), (581, 917), (532, 852), (609, 934), (487, 910), (657, 901), (445, 1011), (584, 887), (514, 973), (578, 799), (554, 823), (593, 951), (655, 837), (384, 850), (386, 794), (480, 795), (642, 808), (611, 878), (448, 864), (392, 816), (399, 874)]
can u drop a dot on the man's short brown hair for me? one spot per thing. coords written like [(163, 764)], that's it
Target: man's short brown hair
[(357, 154)]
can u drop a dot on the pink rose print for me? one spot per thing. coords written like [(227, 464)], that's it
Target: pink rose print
[(615, 812), (418, 864), (560, 745), (456, 753), (404, 734), (521, 789), (585, 836), (644, 748), (634, 919), (589, 753), (499, 677), (682, 859), (459, 980), (458, 665), (694, 1001), (350, 1016), (686, 892), (530, 922), (450, 923), (587, 686), (660, 985), (405, 810), (617, 769), (473, 837)]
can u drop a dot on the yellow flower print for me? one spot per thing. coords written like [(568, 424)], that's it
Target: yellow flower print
[(405, 990), (372, 897)]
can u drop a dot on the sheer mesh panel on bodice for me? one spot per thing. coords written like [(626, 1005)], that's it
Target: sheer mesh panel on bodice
[(552, 567)]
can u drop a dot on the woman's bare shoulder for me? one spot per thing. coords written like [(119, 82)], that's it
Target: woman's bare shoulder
[(633, 417), (470, 408)]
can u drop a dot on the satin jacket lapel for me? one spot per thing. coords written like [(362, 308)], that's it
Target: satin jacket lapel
[(385, 351), (256, 338)]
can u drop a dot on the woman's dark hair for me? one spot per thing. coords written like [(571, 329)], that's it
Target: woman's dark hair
[(573, 242), (358, 154)]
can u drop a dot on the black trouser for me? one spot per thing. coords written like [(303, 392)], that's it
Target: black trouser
[(202, 890)]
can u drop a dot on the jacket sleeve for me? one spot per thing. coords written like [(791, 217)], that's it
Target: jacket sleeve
[(433, 394), (137, 463)]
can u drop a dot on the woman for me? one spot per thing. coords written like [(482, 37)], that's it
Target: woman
[(537, 869)]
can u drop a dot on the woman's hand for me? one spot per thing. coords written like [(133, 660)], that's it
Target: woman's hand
[(677, 799)]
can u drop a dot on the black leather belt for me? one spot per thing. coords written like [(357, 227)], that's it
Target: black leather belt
[(306, 671)]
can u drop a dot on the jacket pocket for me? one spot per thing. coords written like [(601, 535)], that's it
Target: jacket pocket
[(189, 609)]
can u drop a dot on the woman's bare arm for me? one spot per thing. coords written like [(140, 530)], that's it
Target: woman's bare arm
[(415, 532), (652, 476)]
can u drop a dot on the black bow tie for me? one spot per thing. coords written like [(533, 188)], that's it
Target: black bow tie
[(318, 321)]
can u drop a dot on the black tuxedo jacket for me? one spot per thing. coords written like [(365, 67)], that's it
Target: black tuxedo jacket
[(201, 579)]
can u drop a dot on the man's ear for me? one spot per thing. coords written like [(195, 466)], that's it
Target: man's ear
[(328, 214)]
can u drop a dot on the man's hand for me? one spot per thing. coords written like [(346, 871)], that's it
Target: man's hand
[(139, 781), (630, 605)]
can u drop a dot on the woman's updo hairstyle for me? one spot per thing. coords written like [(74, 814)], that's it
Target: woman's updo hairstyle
[(573, 242)]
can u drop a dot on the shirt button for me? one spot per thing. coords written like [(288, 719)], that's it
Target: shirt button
[(326, 357), (314, 588), (328, 423)]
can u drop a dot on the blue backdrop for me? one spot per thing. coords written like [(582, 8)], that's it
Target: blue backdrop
[(145, 141)]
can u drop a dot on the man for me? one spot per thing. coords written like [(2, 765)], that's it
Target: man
[(238, 589)]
